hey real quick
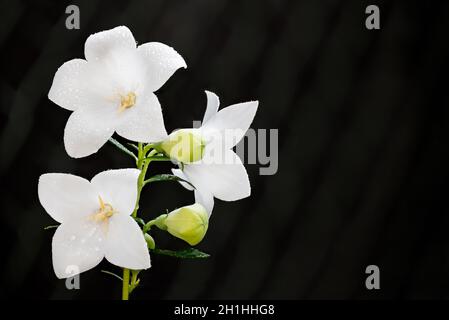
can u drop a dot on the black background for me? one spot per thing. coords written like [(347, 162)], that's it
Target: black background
[(363, 146)]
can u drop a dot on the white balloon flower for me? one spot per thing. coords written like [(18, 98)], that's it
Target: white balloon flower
[(217, 171), (113, 90), (95, 221)]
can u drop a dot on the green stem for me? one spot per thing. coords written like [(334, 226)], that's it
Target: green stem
[(140, 155), (134, 280), (142, 164), (125, 287), (150, 146), (140, 184), (158, 222)]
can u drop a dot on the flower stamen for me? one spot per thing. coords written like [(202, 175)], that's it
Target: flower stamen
[(104, 213), (127, 101)]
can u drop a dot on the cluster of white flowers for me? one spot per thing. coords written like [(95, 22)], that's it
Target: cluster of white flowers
[(112, 91)]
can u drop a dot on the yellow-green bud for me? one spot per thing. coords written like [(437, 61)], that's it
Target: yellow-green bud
[(150, 241), (184, 145), (188, 223)]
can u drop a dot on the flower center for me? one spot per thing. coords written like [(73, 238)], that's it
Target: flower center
[(127, 101), (104, 212)]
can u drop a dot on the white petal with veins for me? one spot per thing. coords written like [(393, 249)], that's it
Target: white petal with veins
[(213, 102), (231, 123), (125, 245), (77, 246), (226, 180), (206, 199), (87, 130), (143, 122), (100, 44), (159, 62), (68, 89), (118, 188), (65, 196)]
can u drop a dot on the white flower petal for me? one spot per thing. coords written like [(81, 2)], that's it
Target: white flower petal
[(65, 196), (119, 73), (231, 123), (99, 45), (118, 188), (226, 180), (160, 62), (77, 246), (143, 122), (87, 130), (213, 102), (68, 89), (206, 199), (203, 197), (180, 174), (125, 245)]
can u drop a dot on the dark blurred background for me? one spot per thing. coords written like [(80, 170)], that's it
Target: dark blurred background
[(363, 146)]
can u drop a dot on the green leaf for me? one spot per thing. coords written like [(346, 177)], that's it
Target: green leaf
[(139, 221), (122, 148), (132, 145), (51, 227), (166, 177), (112, 274), (158, 158), (190, 253)]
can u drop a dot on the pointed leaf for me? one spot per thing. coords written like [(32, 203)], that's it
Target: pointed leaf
[(132, 145), (190, 253), (167, 177), (122, 148), (139, 221), (51, 227), (112, 274)]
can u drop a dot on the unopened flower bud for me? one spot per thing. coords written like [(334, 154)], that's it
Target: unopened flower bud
[(185, 145), (188, 223), (150, 241)]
